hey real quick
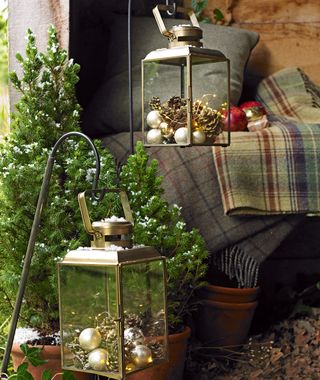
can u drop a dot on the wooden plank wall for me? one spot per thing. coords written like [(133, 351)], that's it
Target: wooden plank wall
[(36, 15), (289, 32)]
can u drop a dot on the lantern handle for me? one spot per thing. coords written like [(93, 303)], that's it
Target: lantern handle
[(84, 209), (157, 15)]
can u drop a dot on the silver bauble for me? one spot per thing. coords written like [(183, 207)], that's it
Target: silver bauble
[(198, 137), (154, 119), (154, 136), (181, 135), (141, 356), (132, 335), (89, 339), (98, 359), (166, 131)]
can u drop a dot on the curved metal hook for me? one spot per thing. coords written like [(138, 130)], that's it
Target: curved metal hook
[(174, 7), (33, 235)]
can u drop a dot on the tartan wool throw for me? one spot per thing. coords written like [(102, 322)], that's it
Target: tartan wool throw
[(275, 170)]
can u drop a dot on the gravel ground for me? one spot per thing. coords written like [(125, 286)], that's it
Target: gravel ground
[(288, 350)]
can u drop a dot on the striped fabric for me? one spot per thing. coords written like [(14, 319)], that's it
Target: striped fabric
[(275, 170)]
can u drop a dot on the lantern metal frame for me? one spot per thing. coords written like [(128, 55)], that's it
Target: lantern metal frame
[(175, 56), (118, 260), (100, 255), (185, 50)]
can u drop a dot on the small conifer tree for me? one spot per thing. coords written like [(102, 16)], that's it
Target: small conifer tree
[(46, 110)]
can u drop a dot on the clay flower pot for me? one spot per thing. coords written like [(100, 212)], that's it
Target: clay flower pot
[(225, 294), (172, 370), (50, 353), (223, 323)]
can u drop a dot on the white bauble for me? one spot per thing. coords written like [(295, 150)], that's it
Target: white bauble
[(141, 355), (133, 335), (154, 119), (198, 137), (181, 135), (154, 136), (98, 359), (89, 339)]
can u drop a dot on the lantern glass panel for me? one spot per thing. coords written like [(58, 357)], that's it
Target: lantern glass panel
[(89, 318), (163, 80), (143, 301), (185, 97)]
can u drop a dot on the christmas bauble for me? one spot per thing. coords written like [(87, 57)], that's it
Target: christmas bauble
[(130, 367), (198, 137), (154, 119), (181, 135), (238, 119), (154, 136), (98, 359), (133, 335), (166, 131), (141, 355), (89, 339), (254, 110)]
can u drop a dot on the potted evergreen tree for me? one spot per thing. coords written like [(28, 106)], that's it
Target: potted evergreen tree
[(47, 109)]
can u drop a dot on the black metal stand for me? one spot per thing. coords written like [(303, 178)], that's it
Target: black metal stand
[(33, 235)]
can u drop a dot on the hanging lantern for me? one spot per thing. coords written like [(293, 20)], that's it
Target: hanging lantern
[(112, 299), (181, 106)]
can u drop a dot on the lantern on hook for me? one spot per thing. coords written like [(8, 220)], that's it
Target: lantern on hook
[(112, 300), (180, 106)]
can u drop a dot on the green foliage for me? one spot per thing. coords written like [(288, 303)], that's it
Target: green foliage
[(46, 110), (32, 356), (163, 227), (4, 101)]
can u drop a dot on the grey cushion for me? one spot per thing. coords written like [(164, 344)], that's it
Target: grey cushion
[(108, 110)]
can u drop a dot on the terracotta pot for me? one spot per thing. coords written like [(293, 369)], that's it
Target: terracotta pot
[(222, 323), (172, 370), (50, 353), (225, 294)]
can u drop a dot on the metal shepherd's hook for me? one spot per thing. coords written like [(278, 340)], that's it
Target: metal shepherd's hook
[(34, 232)]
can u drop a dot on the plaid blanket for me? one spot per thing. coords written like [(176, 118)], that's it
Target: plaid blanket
[(276, 170), (238, 244)]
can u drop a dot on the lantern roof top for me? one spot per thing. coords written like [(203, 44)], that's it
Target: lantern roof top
[(111, 255), (170, 54)]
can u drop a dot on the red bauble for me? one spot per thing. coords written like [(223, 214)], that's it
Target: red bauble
[(254, 110), (238, 120)]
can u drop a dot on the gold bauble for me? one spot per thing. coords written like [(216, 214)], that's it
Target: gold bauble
[(89, 339), (141, 356), (130, 367), (98, 359), (166, 131), (198, 137)]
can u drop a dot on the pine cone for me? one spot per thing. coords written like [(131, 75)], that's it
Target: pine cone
[(179, 119), (176, 102), (207, 119), (155, 103), (133, 320)]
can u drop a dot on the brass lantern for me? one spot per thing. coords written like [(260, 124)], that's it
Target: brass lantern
[(112, 301), (185, 89)]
